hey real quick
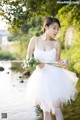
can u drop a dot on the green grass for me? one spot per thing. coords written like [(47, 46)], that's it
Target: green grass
[(5, 55)]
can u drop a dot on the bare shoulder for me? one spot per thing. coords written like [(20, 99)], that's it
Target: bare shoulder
[(34, 38), (58, 43), (32, 41)]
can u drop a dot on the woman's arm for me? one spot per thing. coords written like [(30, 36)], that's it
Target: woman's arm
[(58, 50), (63, 63), (31, 47)]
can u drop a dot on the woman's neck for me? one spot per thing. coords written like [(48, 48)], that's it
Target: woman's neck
[(46, 38)]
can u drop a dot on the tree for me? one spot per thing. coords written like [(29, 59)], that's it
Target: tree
[(19, 12), (69, 16)]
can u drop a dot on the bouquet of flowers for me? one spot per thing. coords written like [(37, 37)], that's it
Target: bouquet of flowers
[(32, 62)]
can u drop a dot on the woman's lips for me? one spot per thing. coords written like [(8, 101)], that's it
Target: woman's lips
[(54, 34)]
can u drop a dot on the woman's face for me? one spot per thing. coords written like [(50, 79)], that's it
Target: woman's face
[(52, 30)]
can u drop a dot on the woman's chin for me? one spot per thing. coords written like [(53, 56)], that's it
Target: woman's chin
[(53, 37)]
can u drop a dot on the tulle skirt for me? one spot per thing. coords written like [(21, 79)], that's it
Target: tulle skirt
[(49, 84)]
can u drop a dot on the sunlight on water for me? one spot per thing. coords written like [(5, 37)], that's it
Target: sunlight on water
[(11, 95), (4, 81)]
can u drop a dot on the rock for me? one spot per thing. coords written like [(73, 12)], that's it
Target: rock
[(7, 72), (21, 81), (1, 68), (26, 73), (13, 68), (20, 76)]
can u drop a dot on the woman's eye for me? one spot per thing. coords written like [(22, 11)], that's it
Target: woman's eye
[(56, 29)]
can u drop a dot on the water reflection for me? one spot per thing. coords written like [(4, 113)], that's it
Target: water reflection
[(12, 93)]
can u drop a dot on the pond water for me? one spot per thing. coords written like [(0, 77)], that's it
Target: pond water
[(12, 92)]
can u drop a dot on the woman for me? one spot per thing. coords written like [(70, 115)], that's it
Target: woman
[(49, 86)]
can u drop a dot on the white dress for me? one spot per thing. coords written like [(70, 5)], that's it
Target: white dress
[(49, 84)]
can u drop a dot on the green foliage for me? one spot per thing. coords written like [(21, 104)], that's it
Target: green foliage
[(21, 47), (35, 28), (73, 55), (19, 12), (4, 55), (69, 17)]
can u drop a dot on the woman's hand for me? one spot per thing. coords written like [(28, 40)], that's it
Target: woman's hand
[(41, 65), (63, 63)]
